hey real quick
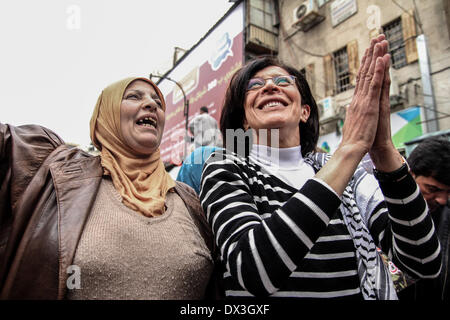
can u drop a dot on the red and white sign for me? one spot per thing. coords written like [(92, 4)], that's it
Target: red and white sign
[(204, 74)]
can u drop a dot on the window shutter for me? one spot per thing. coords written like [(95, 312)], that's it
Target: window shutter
[(409, 36), (329, 75), (311, 78), (353, 62)]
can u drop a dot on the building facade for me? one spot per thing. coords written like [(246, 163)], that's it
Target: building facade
[(326, 39)]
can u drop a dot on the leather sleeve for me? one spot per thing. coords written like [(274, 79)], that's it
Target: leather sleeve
[(22, 151)]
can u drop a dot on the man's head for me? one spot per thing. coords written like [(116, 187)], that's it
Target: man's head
[(203, 110), (430, 166)]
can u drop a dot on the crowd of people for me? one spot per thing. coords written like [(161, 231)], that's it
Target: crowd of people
[(263, 214)]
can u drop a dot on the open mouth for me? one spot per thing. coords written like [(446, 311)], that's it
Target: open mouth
[(147, 122), (272, 104)]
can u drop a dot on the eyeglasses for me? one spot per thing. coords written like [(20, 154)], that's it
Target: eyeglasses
[(279, 81)]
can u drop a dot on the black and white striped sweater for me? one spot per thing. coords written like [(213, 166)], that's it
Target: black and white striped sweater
[(278, 241)]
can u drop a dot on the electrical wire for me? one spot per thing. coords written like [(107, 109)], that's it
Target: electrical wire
[(412, 15), (435, 110)]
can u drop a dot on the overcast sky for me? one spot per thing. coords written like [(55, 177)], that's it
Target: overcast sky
[(57, 55)]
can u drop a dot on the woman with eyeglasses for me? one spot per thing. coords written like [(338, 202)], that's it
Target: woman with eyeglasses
[(290, 222)]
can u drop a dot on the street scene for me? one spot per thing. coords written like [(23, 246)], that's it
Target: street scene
[(226, 156)]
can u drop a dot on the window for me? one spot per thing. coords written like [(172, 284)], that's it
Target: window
[(394, 34), (341, 68), (261, 14)]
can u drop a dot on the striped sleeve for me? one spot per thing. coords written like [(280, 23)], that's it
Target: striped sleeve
[(404, 229), (261, 253)]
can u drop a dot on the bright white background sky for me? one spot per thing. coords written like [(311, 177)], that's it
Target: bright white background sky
[(57, 55)]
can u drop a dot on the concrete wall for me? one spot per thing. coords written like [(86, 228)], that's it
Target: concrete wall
[(300, 48)]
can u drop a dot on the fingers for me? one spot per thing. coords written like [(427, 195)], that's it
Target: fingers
[(387, 61), (369, 54), (385, 102), (365, 72), (358, 75), (365, 64), (379, 51), (376, 83), (383, 137)]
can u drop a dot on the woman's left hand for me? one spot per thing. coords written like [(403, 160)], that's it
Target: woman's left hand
[(383, 153)]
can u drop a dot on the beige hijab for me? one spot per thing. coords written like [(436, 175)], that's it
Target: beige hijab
[(142, 181)]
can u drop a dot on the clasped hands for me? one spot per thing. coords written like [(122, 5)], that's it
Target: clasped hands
[(367, 125)]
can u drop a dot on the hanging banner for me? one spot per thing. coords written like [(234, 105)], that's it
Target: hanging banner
[(405, 126), (204, 74)]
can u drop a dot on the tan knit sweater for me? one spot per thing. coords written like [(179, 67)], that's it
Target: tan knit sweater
[(125, 255)]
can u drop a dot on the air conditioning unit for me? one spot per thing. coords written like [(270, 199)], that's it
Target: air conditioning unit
[(306, 15), (327, 109)]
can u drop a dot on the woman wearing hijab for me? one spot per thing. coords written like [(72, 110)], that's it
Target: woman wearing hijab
[(293, 223), (115, 226)]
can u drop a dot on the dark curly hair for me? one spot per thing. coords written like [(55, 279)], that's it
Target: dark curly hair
[(431, 158), (233, 113)]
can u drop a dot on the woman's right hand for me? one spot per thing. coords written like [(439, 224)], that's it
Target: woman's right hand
[(362, 116), (361, 123)]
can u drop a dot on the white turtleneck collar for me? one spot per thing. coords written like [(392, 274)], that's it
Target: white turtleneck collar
[(285, 158), (285, 163)]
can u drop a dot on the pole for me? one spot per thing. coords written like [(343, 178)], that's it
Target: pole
[(427, 85), (186, 109)]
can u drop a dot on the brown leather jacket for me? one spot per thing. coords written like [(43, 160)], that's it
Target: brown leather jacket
[(47, 190)]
